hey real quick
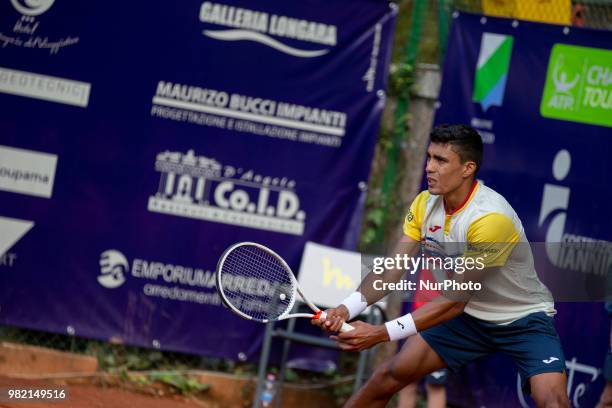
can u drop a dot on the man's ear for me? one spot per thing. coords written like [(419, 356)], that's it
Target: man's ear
[(469, 169)]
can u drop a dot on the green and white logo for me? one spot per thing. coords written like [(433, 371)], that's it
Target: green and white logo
[(578, 85), (492, 69)]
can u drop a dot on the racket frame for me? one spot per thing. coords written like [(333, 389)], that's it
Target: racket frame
[(294, 283)]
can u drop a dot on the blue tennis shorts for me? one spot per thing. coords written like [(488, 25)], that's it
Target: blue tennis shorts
[(532, 342)]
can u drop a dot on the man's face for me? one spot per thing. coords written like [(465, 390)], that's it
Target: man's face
[(445, 171)]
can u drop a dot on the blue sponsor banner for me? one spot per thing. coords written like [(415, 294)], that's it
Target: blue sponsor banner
[(141, 139), (539, 94)]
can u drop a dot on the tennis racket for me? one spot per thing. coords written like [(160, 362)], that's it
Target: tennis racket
[(257, 284)]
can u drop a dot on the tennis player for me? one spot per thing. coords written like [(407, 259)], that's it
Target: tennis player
[(512, 312)]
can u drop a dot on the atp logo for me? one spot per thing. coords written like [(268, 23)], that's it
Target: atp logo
[(492, 69), (563, 97), (113, 267), (32, 7), (560, 78), (577, 86)]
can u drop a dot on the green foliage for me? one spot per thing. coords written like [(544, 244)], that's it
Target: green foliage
[(179, 383), (247, 393), (342, 393), (291, 375), (115, 358), (376, 216), (381, 201), (140, 380), (372, 222), (401, 79)]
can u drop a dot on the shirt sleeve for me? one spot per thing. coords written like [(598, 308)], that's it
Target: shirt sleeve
[(492, 239), (415, 216)]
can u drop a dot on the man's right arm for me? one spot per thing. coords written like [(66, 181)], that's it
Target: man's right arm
[(366, 293), (407, 246)]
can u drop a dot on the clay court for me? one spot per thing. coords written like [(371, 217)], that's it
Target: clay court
[(86, 394)]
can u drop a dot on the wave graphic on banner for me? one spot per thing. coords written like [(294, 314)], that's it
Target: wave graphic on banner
[(246, 35), (492, 69)]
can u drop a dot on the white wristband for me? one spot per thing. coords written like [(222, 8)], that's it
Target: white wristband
[(355, 303), (401, 327)]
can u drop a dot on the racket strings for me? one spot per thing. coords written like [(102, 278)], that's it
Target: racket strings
[(257, 283)]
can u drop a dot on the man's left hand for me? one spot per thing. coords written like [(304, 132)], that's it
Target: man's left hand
[(362, 337)]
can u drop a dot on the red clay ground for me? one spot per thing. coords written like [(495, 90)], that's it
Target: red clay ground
[(98, 396)]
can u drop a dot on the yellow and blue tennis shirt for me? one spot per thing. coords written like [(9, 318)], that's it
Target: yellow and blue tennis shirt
[(484, 226)]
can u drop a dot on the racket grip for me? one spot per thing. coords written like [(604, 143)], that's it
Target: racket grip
[(345, 326)]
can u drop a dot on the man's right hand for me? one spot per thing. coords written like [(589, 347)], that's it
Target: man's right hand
[(334, 319)]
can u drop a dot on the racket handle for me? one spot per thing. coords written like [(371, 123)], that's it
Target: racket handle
[(345, 326)]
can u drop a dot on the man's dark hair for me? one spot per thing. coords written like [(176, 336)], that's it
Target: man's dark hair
[(465, 141)]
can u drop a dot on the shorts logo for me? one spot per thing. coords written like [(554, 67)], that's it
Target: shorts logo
[(438, 374), (113, 267), (550, 360)]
